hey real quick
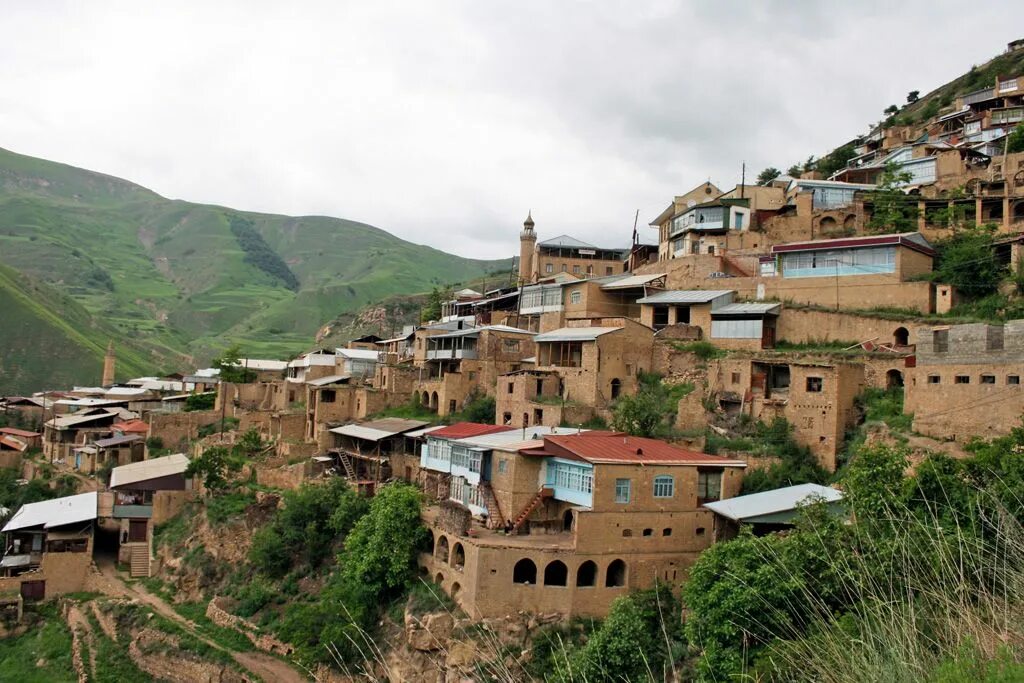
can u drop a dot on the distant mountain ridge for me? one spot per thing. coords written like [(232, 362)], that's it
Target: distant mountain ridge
[(184, 280)]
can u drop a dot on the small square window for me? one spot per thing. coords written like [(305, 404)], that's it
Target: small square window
[(735, 378), (934, 379), (609, 270), (648, 532), (626, 533), (503, 466), (575, 270), (988, 379), (814, 384), (700, 531), (666, 532), (549, 268), (962, 379), (511, 387), (1013, 379)]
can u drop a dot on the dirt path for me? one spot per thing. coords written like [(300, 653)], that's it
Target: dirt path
[(268, 668)]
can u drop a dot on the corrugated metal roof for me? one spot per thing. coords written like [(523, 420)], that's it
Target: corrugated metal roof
[(465, 430), (378, 429), (136, 426), (616, 449), (685, 296), (330, 379), (56, 512), (513, 437), (262, 364), (359, 354), (13, 443), (770, 502), (566, 241), (73, 420), (145, 470), (14, 431), (633, 281), (575, 334), (422, 432), (475, 331), (117, 440), (749, 308)]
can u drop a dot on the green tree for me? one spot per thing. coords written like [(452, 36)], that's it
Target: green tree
[(892, 211), (796, 465), (250, 444), (891, 109), (479, 408), (767, 175), (835, 160), (967, 261), (913, 96), (1015, 141), (215, 465), (646, 413), (230, 366), (794, 171), (435, 301), (199, 402)]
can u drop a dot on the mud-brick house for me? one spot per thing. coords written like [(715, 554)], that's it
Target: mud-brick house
[(363, 452), (30, 410), (592, 516), (966, 381), (460, 363), (579, 369), (30, 438), (62, 434), (815, 396), (143, 495), (119, 449), (48, 547)]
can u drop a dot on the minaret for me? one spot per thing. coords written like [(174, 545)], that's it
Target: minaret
[(527, 245), (108, 365)]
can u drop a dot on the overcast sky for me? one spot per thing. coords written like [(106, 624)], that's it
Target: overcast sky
[(444, 122)]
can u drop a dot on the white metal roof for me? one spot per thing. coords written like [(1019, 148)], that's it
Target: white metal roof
[(756, 309), (145, 470), (126, 391), (311, 359), (475, 331), (774, 501), (684, 296), (56, 512), (426, 430), (359, 354), (633, 281), (73, 420), (262, 364), (378, 429), (330, 379), (514, 436), (575, 334), (566, 241)]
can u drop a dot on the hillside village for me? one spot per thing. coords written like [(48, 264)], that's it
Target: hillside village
[(588, 430)]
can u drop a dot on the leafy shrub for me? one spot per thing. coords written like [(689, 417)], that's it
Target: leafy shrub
[(200, 402), (258, 253), (702, 349)]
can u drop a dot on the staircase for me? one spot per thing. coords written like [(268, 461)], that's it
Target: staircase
[(541, 496), (733, 264), (140, 560), (495, 520), (346, 462)]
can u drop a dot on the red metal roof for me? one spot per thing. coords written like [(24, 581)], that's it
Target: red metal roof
[(18, 432), (619, 449), (465, 430), (13, 444), (132, 426)]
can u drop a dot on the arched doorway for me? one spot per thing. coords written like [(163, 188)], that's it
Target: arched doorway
[(850, 223), (556, 574), (894, 379), (433, 401), (442, 549), (455, 591), (901, 336), (586, 575), (458, 556), (827, 224), (525, 571), (439, 578), (616, 388), (425, 400), (616, 574), (567, 518)]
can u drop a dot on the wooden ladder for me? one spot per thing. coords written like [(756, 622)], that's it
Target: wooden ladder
[(346, 462), (544, 493), (140, 560), (495, 520)]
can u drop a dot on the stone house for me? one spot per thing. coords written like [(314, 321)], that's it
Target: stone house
[(586, 365), (966, 382), (816, 397), (363, 452), (565, 254), (48, 547), (591, 517), (62, 434)]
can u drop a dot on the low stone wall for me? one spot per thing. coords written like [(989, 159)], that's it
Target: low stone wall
[(289, 477), (268, 643), (177, 428)]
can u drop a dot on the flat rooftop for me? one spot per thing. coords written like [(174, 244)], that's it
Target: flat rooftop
[(488, 538)]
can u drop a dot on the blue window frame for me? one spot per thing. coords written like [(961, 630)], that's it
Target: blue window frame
[(622, 491), (664, 486)]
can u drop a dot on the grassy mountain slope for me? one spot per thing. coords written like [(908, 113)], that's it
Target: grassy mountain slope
[(194, 278), (50, 341)]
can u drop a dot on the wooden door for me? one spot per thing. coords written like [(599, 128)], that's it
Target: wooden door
[(33, 590), (136, 530)]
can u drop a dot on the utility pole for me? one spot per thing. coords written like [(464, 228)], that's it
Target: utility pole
[(743, 180)]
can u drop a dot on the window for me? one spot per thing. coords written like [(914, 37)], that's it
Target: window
[(666, 532), (575, 270), (940, 341), (538, 416), (735, 378), (737, 221), (525, 571), (1013, 379), (549, 268), (648, 532), (502, 466), (586, 575), (565, 268), (700, 531), (570, 477), (934, 379), (664, 486), (709, 485), (576, 298), (962, 379), (327, 396), (988, 379), (511, 387), (626, 533), (511, 345), (622, 490), (814, 384), (609, 270), (556, 574), (711, 250)]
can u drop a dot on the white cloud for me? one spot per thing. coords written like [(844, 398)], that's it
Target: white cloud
[(444, 122)]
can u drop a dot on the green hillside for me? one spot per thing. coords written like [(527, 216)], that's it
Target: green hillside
[(50, 341), (193, 278)]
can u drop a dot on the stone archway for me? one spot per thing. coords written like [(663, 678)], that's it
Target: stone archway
[(894, 379), (441, 549)]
